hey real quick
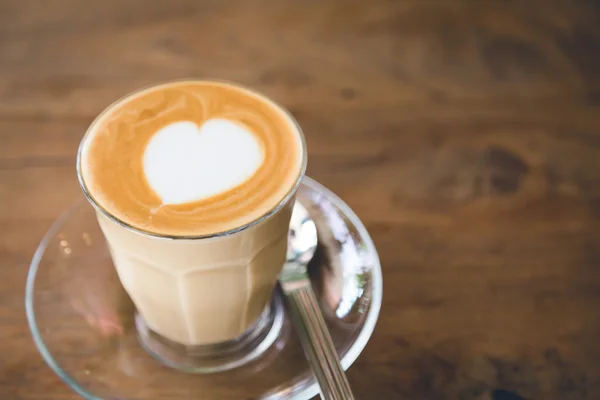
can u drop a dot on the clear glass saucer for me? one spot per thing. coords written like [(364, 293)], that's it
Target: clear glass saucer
[(83, 322)]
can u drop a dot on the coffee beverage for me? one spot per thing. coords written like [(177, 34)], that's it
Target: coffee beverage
[(191, 158), (194, 182)]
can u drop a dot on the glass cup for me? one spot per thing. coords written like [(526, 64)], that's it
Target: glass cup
[(203, 304)]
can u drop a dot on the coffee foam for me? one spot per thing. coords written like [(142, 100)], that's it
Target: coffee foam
[(191, 158), (184, 162)]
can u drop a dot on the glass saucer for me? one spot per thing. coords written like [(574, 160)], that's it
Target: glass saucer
[(83, 322)]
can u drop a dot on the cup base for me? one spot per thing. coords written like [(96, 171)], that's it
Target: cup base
[(206, 359)]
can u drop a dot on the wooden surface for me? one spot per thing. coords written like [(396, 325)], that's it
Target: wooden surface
[(465, 134)]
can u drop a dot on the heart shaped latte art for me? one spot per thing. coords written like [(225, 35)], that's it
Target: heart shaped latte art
[(184, 162)]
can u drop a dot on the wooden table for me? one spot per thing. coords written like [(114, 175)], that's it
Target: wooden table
[(465, 134)]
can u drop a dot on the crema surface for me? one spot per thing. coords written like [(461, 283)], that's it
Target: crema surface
[(191, 158)]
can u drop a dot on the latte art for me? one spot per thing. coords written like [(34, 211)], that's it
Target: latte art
[(184, 163), (191, 158)]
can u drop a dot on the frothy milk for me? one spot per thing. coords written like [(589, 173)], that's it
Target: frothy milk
[(193, 182), (184, 162)]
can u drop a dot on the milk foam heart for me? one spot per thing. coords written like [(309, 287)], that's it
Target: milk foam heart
[(184, 162)]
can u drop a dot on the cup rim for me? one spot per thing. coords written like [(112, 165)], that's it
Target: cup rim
[(289, 195)]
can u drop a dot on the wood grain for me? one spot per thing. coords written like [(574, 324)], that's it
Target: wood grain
[(464, 133)]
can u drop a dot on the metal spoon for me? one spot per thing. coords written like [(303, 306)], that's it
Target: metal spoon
[(310, 325)]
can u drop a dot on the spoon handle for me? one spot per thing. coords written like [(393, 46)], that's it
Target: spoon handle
[(318, 345)]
